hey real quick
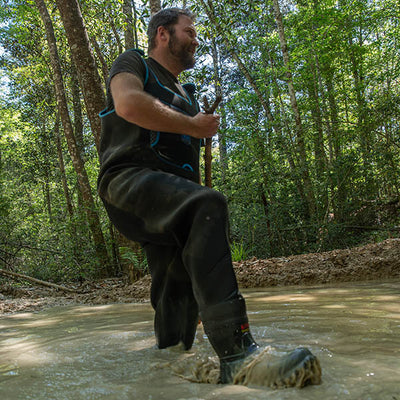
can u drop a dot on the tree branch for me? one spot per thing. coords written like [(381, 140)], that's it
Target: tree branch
[(207, 153), (15, 275)]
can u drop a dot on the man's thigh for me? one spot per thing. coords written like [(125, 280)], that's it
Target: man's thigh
[(148, 206)]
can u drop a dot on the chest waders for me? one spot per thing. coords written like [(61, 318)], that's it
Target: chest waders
[(182, 226), (148, 183), (144, 190)]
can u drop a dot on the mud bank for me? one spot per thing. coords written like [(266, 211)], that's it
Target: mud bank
[(377, 261)]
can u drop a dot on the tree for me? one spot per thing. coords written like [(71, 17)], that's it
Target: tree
[(89, 78), (78, 163), (300, 141)]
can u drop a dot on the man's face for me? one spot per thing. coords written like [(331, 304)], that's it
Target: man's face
[(183, 42)]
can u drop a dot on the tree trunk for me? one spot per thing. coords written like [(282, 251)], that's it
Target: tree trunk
[(300, 142), (23, 277), (47, 195), (116, 34), (61, 164), (364, 133), (339, 201), (223, 155), (135, 24), (115, 248), (128, 25), (45, 149), (209, 9), (285, 144), (77, 161), (100, 56), (77, 107), (155, 6), (89, 78), (319, 150)]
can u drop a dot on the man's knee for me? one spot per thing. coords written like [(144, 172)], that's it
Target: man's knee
[(213, 206)]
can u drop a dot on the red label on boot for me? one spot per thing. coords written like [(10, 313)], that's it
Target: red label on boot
[(245, 327)]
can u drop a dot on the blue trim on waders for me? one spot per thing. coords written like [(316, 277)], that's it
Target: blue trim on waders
[(160, 157), (188, 99), (155, 142), (104, 113), (184, 138), (186, 167)]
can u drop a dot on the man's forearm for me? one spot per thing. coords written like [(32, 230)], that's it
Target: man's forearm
[(140, 108), (150, 113)]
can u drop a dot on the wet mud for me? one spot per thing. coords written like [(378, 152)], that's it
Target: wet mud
[(108, 351)]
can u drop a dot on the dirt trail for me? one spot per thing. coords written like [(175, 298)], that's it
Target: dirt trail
[(380, 261)]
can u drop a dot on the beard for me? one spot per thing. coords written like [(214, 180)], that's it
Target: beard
[(183, 53)]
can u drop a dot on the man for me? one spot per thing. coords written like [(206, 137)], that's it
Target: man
[(149, 154)]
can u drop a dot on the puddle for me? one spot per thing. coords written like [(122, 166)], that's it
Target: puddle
[(108, 352)]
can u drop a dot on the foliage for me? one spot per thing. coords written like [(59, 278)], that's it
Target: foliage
[(239, 252), (345, 70), (139, 263)]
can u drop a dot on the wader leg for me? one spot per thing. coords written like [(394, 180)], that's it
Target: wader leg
[(164, 209), (184, 229), (176, 310)]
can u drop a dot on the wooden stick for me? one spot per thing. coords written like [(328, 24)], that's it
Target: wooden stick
[(207, 152), (15, 275)]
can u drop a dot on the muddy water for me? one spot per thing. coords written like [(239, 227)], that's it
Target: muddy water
[(107, 352)]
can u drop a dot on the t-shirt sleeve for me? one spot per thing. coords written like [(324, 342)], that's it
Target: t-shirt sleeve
[(129, 61)]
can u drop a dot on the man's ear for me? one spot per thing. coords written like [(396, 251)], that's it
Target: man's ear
[(162, 34)]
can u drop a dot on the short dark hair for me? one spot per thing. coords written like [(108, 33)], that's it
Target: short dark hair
[(168, 17)]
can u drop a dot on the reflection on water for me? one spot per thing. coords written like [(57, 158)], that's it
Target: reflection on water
[(107, 352)]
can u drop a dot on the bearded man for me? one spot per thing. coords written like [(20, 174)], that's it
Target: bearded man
[(149, 183)]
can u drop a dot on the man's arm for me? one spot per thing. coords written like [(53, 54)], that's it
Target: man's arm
[(136, 106)]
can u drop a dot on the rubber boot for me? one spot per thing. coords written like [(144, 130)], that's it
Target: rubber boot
[(227, 328)]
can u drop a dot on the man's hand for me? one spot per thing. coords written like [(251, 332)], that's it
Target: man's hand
[(204, 125)]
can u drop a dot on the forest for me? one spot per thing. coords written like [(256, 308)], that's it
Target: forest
[(308, 150)]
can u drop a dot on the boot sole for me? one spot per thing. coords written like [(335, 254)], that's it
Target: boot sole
[(298, 369)]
